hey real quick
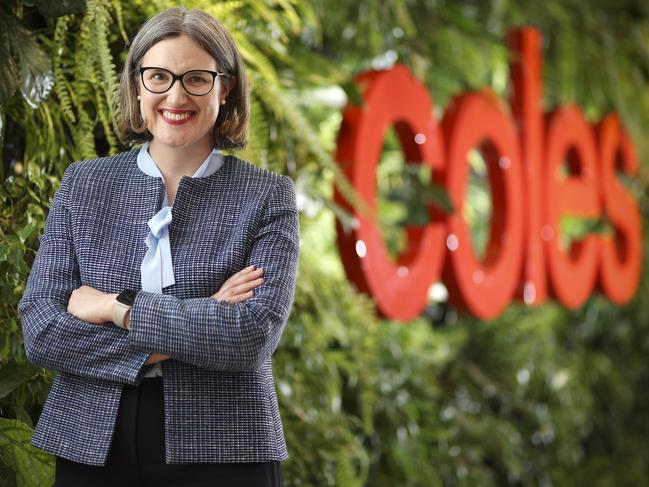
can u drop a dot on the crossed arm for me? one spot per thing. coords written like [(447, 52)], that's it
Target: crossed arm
[(96, 307), (214, 333)]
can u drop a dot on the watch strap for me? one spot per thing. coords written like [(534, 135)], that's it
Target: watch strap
[(119, 313)]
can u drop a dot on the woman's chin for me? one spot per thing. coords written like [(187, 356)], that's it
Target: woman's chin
[(174, 143)]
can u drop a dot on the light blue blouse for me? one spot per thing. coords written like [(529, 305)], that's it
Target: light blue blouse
[(157, 267)]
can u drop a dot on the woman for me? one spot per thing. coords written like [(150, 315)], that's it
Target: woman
[(163, 282)]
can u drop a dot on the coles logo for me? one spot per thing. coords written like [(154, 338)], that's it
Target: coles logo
[(541, 168)]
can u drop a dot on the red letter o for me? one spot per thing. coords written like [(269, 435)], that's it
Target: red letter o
[(484, 288)]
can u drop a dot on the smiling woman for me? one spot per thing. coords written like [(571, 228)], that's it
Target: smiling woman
[(164, 281), (174, 116)]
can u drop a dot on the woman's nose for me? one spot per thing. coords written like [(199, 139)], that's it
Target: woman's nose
[(177, 93)]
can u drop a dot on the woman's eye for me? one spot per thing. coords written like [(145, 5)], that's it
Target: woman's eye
[(197, 80), (157, 76)]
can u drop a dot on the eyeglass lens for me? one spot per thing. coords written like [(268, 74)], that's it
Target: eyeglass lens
[(195, 82)]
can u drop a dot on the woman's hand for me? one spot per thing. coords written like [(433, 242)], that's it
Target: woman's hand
[(154, 358), (236, 289), (239, 286), (91, 305)]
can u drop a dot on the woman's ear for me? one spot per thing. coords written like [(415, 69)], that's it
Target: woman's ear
[(226, 88)]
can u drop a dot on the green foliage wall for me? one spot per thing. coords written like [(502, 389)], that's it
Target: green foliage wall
[(538, 397)]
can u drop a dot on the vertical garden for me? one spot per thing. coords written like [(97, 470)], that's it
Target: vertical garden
[(539, 396)]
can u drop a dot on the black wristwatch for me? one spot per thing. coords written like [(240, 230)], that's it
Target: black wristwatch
[(123, 304)]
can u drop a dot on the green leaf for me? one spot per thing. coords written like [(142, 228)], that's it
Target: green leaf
[(575, 228), (353, 92), (25, 232), (36, 73), (13, 374), (33, 467), (437, 195), (22, 62), (418, 193)]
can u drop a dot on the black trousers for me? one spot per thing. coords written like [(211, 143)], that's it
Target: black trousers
[(136, 456)]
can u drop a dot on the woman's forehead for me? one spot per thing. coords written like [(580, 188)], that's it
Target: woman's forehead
[(179, 54)]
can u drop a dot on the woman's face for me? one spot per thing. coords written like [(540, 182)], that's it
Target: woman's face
[(175, 118)]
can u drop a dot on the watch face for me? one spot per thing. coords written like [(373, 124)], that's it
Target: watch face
[(127, 297)]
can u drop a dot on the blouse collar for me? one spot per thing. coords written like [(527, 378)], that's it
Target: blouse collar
[(147, 165)]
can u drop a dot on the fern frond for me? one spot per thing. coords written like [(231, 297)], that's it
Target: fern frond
[(308, 16), (257, 149), (268, 16), (119, 16), (105, 115), (105, 58), (84, 136), (255, 58), (83, 55), (60, 82), (291, 15)]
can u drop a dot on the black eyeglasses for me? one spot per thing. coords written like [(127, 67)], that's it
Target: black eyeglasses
[(197, 82)]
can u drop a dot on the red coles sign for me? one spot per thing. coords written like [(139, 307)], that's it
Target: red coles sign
[(525, 151)]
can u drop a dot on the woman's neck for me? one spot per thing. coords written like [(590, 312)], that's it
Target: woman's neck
[(176, 163)]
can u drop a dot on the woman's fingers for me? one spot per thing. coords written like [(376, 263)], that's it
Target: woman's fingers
[(240, 285), (247, 286), (242, 276), (227, 292), (239, 298), (233, 296), (237, 275), (240, 279)]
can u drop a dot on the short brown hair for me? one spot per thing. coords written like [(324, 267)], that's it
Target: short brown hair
[(231, 127)]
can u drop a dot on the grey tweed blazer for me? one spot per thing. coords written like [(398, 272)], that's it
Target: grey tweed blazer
[(219, 395)]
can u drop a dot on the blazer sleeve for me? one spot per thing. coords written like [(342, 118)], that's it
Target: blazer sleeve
[(55, 339), (216, 335)]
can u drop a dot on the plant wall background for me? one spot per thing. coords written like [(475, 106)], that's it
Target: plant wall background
[(540, 396)]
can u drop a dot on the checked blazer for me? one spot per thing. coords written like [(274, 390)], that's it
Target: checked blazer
[(219, 394)]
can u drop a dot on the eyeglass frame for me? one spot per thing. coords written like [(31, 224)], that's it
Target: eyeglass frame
[(179, 77)]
